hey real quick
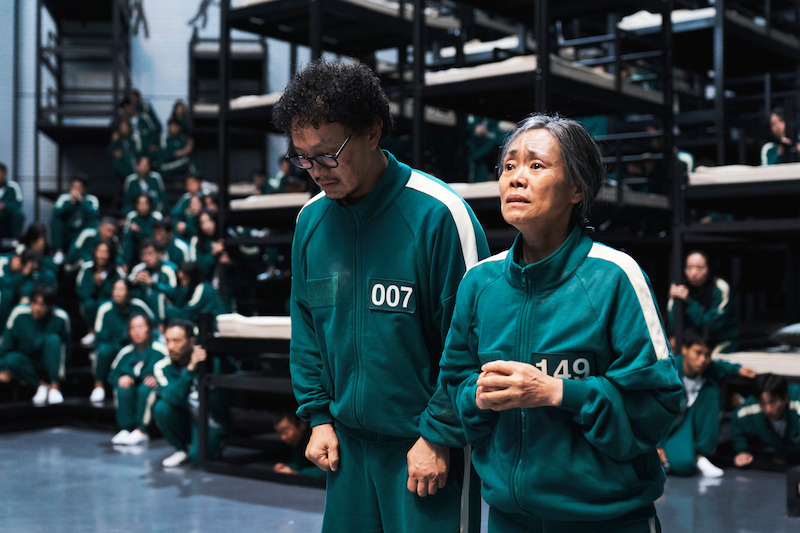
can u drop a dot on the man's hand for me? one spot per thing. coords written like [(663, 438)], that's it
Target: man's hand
[(323, 447), (125, 381), (506, 385), (743, 459), (428, 464), (150, 381), (282, 468), (198, 356), (143, 277), (747, 372)]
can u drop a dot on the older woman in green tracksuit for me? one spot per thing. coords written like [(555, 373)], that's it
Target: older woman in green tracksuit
[(111, 331), (134, 384), (556, 361)]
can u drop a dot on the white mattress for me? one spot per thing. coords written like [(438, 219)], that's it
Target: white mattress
[(385, 7), (644, 20), (731, 174), (271, 201), (784, 364), (521, 64), (251, 101), (261, 327)]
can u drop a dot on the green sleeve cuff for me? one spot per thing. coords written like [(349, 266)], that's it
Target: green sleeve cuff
[(574, 395)]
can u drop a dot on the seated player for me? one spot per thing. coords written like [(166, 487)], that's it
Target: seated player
[(131, 377), (694, 435)]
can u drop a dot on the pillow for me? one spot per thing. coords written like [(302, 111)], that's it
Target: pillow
[(788, 335)]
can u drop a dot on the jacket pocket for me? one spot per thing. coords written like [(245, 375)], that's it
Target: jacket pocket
[(321, 292)]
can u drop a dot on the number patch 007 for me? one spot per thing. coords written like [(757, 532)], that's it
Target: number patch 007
[(392, 295), (565, 365)]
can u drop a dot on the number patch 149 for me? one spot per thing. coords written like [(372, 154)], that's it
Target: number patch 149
[(565, 365), (392, 295)]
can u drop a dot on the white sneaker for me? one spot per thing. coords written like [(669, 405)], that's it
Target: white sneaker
[(98, 395), (176, 459), (708, 469), (58, 258), (54, 396), (40, 398), (136, 437), (87, 341), (121, 437)]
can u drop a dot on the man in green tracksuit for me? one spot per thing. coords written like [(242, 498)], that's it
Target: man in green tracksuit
[(134, 384), (376, 261), (694, 435), (772, 417), (295, 433), (36, 346), (175, 412)]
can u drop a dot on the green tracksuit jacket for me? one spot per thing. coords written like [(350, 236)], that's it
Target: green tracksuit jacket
[(586, 314), (373, 290), (69, 219), (153, 186), (136, 364), (25, 335), (132, 239), (161, 292), (696, 430), (750, 424), (711, 306), (204, 298)]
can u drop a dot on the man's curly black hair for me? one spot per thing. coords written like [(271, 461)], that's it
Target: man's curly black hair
[(324, 92)]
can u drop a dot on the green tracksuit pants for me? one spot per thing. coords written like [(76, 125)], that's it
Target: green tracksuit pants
[(641, 521), (45, 364), (368, 492), (695, 433), (134, 406), (104, 357), (180, 429)]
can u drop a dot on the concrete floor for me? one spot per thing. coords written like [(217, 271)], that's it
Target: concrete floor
[(74, 480)]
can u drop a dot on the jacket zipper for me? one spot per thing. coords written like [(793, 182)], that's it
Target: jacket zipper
[(357, 318), (517, 474)]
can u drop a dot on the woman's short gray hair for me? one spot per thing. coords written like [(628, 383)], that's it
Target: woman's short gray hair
[(582, 157)]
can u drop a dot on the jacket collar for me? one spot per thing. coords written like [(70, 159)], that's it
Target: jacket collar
[(554, 269), (391, 184)]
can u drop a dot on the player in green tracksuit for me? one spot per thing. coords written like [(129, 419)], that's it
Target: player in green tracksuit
[(376, 260), (154, 280), (11, 216), (82, 248), (770, 422), (36, 345), (138, 227), (96, 279), (201, 296), (175, 155), (111, 331), (694, 435), (72, 213), (707, 302), (131, 377), (556, 360), (175, 412), (143, 181)]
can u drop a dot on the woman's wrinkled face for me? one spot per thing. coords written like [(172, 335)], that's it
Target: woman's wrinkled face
[(535, 191)]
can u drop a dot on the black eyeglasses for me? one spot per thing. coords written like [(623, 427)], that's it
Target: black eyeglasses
[(326, 160)]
